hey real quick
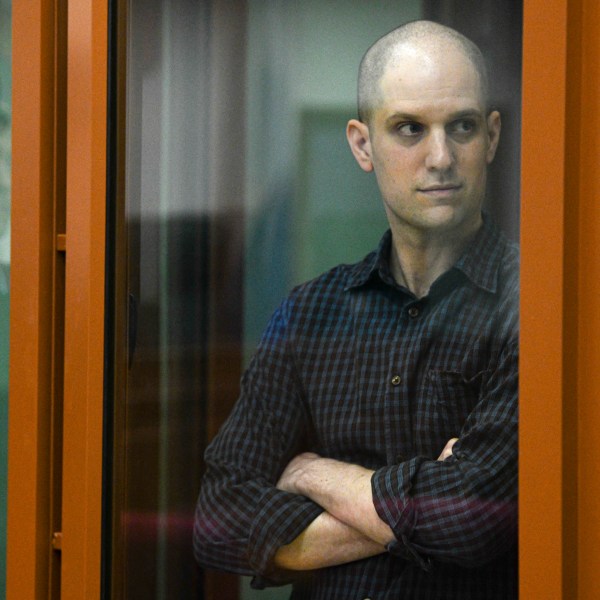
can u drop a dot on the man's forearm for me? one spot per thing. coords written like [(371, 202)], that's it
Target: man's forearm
[(342, 489), (325, 542), (350, 528)]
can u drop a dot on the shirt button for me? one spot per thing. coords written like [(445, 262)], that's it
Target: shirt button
[(413, 312), (396, 380)]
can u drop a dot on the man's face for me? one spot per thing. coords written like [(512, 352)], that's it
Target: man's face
[(429, 142)]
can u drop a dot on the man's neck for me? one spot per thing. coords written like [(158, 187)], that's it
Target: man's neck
[(417, 260)]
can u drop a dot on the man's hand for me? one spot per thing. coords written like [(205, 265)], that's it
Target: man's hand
[(342, 489), (447, 451), (289, 480)]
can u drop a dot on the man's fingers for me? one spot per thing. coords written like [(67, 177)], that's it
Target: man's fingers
[(447, 451)]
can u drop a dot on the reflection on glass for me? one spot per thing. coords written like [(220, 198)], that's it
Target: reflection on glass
[(239, 184), (5, 153)]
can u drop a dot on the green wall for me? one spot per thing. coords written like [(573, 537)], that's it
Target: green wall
[(309, 206), (304, 193)]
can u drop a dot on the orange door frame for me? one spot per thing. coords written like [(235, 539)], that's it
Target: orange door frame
[(560, 301), (56, 347), (544, 348), (31, 393), (560, 224), (583, 257), (84, 297)]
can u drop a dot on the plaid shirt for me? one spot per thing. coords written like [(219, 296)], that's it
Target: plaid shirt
[(355, 367)]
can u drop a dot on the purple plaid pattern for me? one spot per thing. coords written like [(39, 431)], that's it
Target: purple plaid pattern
[(354, 367)]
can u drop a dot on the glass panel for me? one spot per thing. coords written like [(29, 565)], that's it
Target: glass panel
[(5, 153), (238, 185), (496, 28)]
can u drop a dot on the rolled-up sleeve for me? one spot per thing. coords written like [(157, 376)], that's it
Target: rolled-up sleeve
[(464, 509), (241, 517)]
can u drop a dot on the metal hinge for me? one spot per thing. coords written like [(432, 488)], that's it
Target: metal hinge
[(57, 541), (61, 242)]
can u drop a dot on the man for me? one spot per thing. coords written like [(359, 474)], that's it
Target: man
[(373, 450)]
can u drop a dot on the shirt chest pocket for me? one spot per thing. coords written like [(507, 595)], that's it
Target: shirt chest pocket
[(452, 396)]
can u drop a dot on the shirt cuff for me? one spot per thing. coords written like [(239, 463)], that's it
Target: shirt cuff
[(281, 518), (391, 496)]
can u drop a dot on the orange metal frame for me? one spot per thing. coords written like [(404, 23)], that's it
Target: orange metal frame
[(543, 350), (84, 297), (560, 224), (586, 280), (31, 285), (560, 301), (40, 26)]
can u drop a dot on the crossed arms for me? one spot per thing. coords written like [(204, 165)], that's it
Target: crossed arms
[(350, 528), (262, 510)]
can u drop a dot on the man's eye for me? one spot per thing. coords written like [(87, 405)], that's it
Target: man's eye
[(409, 129), (463, 127)]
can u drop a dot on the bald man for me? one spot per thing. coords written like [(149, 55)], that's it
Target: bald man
[(373, 450)]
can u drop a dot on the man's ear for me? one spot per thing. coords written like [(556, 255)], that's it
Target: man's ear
[(357, 134), (493, 128)]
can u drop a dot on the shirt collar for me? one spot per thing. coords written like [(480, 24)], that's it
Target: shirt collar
[(480, 261), (374, 264)]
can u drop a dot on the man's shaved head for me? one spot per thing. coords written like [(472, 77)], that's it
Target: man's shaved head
[(426, 35)]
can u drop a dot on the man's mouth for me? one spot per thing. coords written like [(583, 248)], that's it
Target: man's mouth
[(440, 190), (441, 187)]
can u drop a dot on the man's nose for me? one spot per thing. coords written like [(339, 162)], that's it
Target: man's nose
[(439, 151)]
